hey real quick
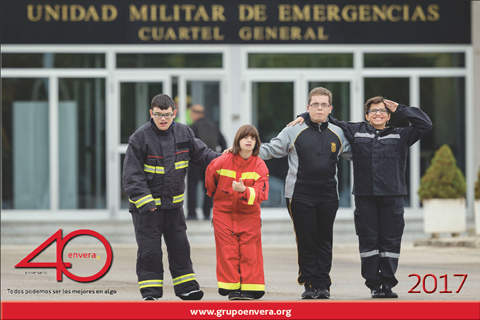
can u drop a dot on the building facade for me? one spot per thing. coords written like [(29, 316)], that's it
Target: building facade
[(77, 80)]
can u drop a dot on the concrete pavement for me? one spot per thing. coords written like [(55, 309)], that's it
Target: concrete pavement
[(280, 271)]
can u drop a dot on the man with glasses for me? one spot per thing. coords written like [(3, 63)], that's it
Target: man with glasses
[(156, 162), (313, 151), (379, 162)]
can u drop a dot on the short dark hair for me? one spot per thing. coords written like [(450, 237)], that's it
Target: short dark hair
[(374, 100), (246, 130), (163, 102)]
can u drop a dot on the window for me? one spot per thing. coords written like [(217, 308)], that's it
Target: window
[(169, 60), (300, 60), (25, 144), (53, 60), (415, 60), (82, 162)]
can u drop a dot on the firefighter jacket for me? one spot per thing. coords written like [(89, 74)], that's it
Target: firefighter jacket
[(380, 158), (229, 167), (156, 163), (313, 152)]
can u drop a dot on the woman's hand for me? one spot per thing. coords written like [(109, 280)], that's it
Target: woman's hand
[(238, 186)]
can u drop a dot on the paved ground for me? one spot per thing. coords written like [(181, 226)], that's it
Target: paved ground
[(280, 270)]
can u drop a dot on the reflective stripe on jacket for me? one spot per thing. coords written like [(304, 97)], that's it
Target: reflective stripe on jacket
[(156, 163)]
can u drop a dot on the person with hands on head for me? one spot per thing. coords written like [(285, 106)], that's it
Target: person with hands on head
[(379, 162), (313, 151), (156, 162), (238, 183)]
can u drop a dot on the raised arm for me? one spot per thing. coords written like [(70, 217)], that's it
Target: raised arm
[(200, 154), (279, 146), (421, 123)]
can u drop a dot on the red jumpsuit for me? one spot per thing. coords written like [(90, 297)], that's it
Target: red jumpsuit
[(236, 222)]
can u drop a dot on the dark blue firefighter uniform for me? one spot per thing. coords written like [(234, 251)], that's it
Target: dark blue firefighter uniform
[(379, 162), (154, 170)]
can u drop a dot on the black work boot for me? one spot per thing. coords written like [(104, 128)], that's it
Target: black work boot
[(235, 295), (377, 293), (310, 291), (192, 295), (388, 291), (323, 293)]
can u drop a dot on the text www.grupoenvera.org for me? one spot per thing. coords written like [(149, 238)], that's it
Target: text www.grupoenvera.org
[(251, 312)]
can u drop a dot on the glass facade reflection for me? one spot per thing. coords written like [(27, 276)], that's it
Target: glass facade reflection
[(53, 60), (82, 162), (25, 144)]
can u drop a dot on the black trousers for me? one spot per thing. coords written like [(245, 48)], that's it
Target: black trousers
[(149, 229), (379, 224), (313, 223), (195, 175)]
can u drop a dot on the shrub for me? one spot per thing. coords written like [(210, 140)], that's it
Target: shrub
[(477, 186), (443, 179)]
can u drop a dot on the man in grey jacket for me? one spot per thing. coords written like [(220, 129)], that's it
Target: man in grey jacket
[(311, 188)]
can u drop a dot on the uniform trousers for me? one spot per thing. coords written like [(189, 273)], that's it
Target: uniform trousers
[(379, 224), (313, 223), (150, 226), (238, 242)]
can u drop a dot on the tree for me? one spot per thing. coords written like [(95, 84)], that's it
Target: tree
[(443, 179)]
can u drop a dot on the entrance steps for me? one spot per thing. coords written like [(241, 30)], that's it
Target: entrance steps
[(199, 231)]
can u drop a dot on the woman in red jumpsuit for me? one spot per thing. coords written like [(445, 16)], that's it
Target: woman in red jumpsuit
[(238, 183)]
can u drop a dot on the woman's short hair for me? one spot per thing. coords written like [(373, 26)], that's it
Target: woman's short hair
[(242, 132), (375, 100)]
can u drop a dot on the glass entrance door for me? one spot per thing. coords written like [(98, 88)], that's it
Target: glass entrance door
[(134, 105), (398, 90), (274, 104), (341, 110)]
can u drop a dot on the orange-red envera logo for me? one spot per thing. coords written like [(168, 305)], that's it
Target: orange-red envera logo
[(61, 266)]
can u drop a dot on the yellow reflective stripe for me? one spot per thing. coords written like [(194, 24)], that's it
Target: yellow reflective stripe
[(227, 173), (251, 199), (153, 169), (178, 198), (250, 175), (229, 286), (140, 202), (253, 287), (148, 168), (181, 164), (150, 283), (184, 278), (158, 201)]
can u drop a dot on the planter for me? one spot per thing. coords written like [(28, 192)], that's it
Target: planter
[(444, 216), (477, 216)]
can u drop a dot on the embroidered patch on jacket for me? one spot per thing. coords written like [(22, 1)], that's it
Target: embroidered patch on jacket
[(334, 147)]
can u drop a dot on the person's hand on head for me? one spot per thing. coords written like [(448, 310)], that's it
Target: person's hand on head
[(392, 105)]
